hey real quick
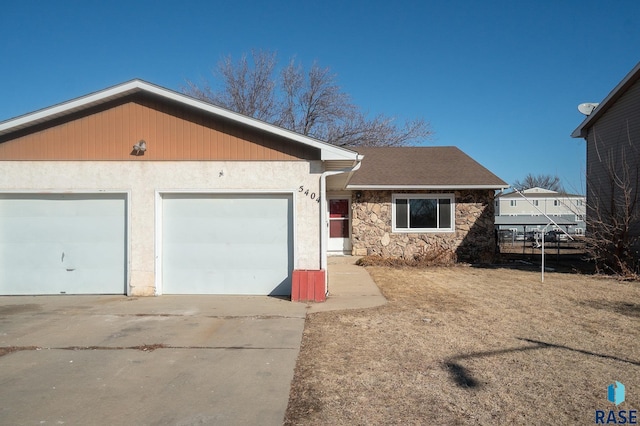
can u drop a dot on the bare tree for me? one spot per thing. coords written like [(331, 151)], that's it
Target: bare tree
[(308, 102), (245, 88), (613, 218), (312, 102), (549, 182)]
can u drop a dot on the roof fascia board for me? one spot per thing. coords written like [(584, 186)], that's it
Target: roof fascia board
[(438, 187), (68, 106), (328, 151), (628, 80)]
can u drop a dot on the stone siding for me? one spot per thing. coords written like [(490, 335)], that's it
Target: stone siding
[(472, 241)]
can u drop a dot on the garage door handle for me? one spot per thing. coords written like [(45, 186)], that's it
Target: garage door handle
[(70, 269)]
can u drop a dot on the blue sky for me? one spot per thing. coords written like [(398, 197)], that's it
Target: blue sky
[(499, 79)]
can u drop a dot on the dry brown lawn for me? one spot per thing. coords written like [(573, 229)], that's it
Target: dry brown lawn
[(465, 345)]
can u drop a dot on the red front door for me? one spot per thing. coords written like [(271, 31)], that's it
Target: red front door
[(339, 210)]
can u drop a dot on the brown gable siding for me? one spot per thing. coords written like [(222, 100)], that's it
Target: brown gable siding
[(171, 132)]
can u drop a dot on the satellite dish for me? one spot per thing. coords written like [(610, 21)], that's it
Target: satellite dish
[(587, 108)]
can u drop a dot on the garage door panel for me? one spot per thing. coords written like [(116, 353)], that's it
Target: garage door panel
[(63, 243), (216, 256), (227, 243), (88, 232), (227, 230), (30, 284), (222, 205), (105, 256), (31, 229), (230, 281), (21, 256)]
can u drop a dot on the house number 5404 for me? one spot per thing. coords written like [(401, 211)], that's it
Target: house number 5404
[(309, 194)]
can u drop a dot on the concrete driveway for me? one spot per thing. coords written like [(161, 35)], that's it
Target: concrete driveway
[(169, 360)]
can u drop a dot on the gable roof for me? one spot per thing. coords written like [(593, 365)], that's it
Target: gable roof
[(628, 81), (538, 193), (537, 190), (445, 167), (328, 151)]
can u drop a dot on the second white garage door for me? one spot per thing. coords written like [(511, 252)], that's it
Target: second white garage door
[(227, 244)]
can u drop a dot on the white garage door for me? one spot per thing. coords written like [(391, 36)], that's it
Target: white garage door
[(227, 244), (62, 244)]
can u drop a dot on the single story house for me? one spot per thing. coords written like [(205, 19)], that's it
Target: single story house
[(140, 190), (412, 202)]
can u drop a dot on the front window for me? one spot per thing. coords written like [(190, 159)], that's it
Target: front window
[(423, 213)]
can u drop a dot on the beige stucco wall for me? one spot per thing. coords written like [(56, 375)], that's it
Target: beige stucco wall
[(472, 241), (142, 180)]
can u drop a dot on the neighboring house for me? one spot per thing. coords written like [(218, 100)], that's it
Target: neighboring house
[(140, 190), (522, 213), (411, 202), (612, 134)]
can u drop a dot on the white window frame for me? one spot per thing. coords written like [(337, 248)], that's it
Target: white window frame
[(512, 203), (450, 197)]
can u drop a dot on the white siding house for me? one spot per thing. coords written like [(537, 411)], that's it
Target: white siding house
[(568, 208)]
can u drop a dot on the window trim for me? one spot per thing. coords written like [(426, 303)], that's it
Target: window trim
[(408, 196)]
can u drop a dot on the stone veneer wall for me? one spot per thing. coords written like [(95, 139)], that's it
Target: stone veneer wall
[(472, 241)]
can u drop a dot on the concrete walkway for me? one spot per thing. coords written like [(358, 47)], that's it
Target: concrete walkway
[(350, 287), (168, 360)]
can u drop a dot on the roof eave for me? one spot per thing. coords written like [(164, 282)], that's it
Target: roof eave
[(327, 151), (540, 195), (627, 81), (69, 107), (429, 187)]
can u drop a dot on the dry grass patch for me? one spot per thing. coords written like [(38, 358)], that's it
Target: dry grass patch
[(462, 345)]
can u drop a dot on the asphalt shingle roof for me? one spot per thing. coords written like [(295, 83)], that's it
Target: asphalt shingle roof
[(437, 166)]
